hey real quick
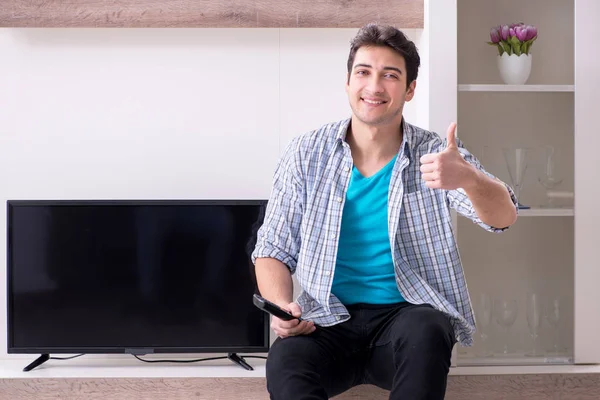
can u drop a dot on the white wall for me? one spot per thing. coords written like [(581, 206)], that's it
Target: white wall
[(162, 113)]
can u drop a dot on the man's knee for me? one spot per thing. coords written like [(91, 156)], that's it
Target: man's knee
[(289, 359), (282, 355), (424, 327)]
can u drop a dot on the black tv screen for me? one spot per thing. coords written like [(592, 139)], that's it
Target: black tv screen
[(133, 276)]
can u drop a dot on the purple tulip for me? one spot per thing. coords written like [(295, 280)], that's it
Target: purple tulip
[(495, 35), (531, 32), (511, 32), (522, 33), (504, 32)]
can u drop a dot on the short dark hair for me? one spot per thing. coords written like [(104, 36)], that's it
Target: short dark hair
[(374, 34)]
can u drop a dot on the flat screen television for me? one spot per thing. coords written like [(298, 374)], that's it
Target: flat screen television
[(133, 276)]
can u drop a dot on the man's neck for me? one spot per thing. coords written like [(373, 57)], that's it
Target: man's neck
[(373, 145)]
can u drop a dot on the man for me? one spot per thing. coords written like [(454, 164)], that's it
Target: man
[(360, 212)]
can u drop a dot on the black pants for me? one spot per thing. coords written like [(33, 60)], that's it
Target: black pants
[(403, 348)]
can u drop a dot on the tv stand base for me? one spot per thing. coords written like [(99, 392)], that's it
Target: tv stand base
[(240, 361), (37, 362), (234, 357)]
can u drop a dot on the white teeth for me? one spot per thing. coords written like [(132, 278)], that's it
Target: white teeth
[(373, 102)]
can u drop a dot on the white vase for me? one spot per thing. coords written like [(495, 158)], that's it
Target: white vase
[(514, 69)]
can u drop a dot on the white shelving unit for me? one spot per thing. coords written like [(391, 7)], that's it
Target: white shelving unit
[(552, 249), (538, 255)]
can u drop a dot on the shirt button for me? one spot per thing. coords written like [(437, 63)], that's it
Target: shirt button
[(338, 317), (346, 169), (339, 199), (333, 235), (327, 273)]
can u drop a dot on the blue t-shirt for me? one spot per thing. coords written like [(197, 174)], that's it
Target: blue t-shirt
[(364, 271)]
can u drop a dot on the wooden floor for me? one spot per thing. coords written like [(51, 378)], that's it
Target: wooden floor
[(474, 387)]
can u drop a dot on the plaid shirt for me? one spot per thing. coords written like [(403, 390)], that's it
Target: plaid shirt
[(304, 215)]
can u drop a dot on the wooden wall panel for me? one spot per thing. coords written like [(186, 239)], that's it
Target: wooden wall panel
[(473, 387), (210, 13)]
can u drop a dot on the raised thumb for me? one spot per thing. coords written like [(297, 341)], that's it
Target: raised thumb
[(451, 136)]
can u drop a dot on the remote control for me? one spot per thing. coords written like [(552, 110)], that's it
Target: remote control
[(272, 308)]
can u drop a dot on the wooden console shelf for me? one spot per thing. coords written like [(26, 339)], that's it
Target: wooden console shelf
[(514, 387), (210, 13), (125, 378)]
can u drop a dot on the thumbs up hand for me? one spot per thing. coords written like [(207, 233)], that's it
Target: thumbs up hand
[(447, 169)]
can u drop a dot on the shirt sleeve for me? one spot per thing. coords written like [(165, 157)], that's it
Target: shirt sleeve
[(459, 200), (279, 235)]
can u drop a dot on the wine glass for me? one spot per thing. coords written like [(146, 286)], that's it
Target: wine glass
[(516, 162), (553, 318), (534, 320), (549, 179), (506, 315), (483, 313)]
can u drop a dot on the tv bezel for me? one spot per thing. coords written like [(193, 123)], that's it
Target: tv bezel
[(11, 349)]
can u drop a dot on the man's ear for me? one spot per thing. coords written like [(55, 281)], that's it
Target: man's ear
[(347, 83), (410, 91)]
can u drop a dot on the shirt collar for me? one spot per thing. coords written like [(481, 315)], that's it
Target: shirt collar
[(407, 137)]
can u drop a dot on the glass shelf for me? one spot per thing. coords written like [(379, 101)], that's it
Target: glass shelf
[(515, 359), (516, 88), (546, 212)]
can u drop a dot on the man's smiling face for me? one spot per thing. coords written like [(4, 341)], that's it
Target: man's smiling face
[(376, 86)]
